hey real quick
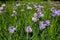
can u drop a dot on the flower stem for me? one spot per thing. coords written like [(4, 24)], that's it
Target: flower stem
[(27, 35)]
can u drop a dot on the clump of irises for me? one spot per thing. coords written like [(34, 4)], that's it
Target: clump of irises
[(42, 24), (39, 13)]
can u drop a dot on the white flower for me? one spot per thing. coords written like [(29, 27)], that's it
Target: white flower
[(17, 4), (14, 13), (41, 6), (3, 5), (35, 6), (29, 8), (34, 19), (22, 10)]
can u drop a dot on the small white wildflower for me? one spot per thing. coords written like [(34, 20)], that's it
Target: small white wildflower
[(34, 19), (14, 13), (22, 10), (29, 8), (3, 5), (18, 4), (41, 6)]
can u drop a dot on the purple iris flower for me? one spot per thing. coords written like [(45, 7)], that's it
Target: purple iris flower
[(43, 24), (38, 10), (28, 29), (47, 22), (39, 6), (35, 15), (56, 13), (40, 14), (53, 15), (11, 29)]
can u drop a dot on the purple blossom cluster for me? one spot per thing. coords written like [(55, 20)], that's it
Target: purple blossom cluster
[(39, 13), (35, 19)]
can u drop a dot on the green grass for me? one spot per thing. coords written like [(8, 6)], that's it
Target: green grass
[(50, 33)]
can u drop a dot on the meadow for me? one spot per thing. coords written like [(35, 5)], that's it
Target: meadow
[(23, 18)]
